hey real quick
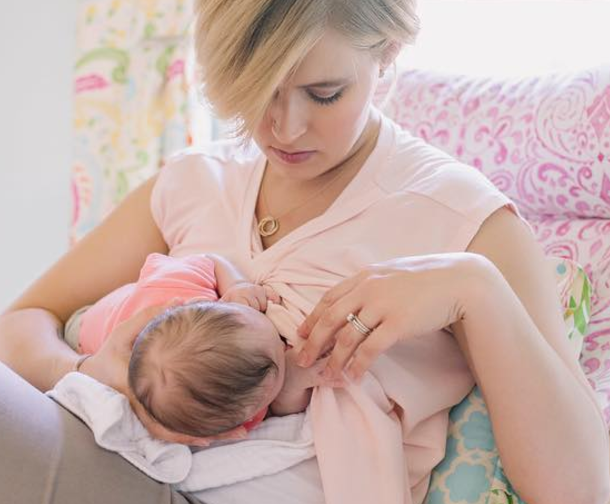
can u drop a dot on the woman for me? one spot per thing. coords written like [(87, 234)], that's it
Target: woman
[(299, 77)]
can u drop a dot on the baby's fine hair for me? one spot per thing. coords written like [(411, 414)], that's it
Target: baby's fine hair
[(246, 48), (193, 371)]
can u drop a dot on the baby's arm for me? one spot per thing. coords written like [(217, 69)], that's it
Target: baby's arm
[(234, 287), (227, 275)]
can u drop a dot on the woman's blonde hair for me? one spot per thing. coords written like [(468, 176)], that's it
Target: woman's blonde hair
[(247, 48)]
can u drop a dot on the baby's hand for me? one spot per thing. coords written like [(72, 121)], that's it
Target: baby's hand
[(249, 294), (296, 391)]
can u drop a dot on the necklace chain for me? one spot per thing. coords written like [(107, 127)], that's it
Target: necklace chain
[(269, 225)]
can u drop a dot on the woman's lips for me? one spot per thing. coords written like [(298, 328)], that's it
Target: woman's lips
[(294, 157)]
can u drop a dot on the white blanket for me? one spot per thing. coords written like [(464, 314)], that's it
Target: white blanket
[(277, 444)]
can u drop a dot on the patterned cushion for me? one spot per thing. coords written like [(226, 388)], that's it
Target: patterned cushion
[(131, 89), (545, 142), (586, 241), (471, 472)]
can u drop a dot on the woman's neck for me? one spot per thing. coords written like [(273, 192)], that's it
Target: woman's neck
[(294, 203), (350, 165)]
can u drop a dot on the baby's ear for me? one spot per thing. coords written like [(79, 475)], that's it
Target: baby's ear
[(202, 442), (233, 434), (236, 433)]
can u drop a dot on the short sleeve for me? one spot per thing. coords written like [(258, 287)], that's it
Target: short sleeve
[(168, 198), (468, 192), (458, 198), (192, 272), (197, 198)]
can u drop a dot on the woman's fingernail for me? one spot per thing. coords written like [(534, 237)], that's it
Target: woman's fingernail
[(353, 375), (303, 359), (302, 331)]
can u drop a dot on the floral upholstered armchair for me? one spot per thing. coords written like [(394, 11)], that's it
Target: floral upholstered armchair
[(545, 142)]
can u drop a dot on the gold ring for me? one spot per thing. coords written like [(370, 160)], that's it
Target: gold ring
[(358, 324)]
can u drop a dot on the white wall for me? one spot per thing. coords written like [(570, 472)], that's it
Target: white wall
[(510, 38), (36, 57)]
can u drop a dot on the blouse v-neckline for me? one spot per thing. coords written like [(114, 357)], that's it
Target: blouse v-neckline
[(360, 193)]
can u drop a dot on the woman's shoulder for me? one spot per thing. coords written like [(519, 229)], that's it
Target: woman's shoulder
[(219, 159), (417, 168), (197, 179)]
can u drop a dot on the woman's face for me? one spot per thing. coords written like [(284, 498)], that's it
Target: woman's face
[(321, 112)]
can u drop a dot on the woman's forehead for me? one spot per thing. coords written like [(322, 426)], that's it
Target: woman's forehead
[(333, 58)]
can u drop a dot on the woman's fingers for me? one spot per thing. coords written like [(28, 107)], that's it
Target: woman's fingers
[(261, 296), (348, 339), (329, 322), (316, 376), (109, 364), (332, 295), (272, 295), (127, 331), (382, 338)]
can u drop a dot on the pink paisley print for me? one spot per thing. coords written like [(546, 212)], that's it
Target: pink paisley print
[(130, 101), (90, 82), (176, 69), (545, 142), (547, 139)]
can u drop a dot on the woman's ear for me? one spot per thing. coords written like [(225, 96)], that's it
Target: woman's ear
[(389, 56)]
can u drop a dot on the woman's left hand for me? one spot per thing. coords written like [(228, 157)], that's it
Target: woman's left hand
[(397, 300), (109, 364)]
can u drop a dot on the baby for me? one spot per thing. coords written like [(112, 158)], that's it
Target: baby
[(202, 369)]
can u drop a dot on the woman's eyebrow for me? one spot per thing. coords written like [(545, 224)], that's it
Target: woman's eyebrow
[(326, 84)]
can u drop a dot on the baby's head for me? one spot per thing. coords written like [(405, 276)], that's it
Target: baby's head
[(206, 368)]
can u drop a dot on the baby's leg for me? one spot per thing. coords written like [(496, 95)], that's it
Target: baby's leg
[(48, 455)]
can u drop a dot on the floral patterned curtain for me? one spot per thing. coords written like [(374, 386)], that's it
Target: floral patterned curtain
[(131, 99)]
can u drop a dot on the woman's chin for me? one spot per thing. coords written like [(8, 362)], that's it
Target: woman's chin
[(302, 172)]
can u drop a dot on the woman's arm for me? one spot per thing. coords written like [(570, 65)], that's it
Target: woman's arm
[(108, 257), (549, 431)]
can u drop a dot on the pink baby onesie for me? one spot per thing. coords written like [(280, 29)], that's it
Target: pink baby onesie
[(162, 278), (380, 441)]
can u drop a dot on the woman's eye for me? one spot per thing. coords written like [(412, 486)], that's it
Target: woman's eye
[(325, 100)]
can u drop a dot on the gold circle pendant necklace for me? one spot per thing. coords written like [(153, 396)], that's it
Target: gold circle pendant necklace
[(269, 225)]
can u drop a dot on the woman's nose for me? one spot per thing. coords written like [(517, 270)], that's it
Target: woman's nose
[(288, 119)]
